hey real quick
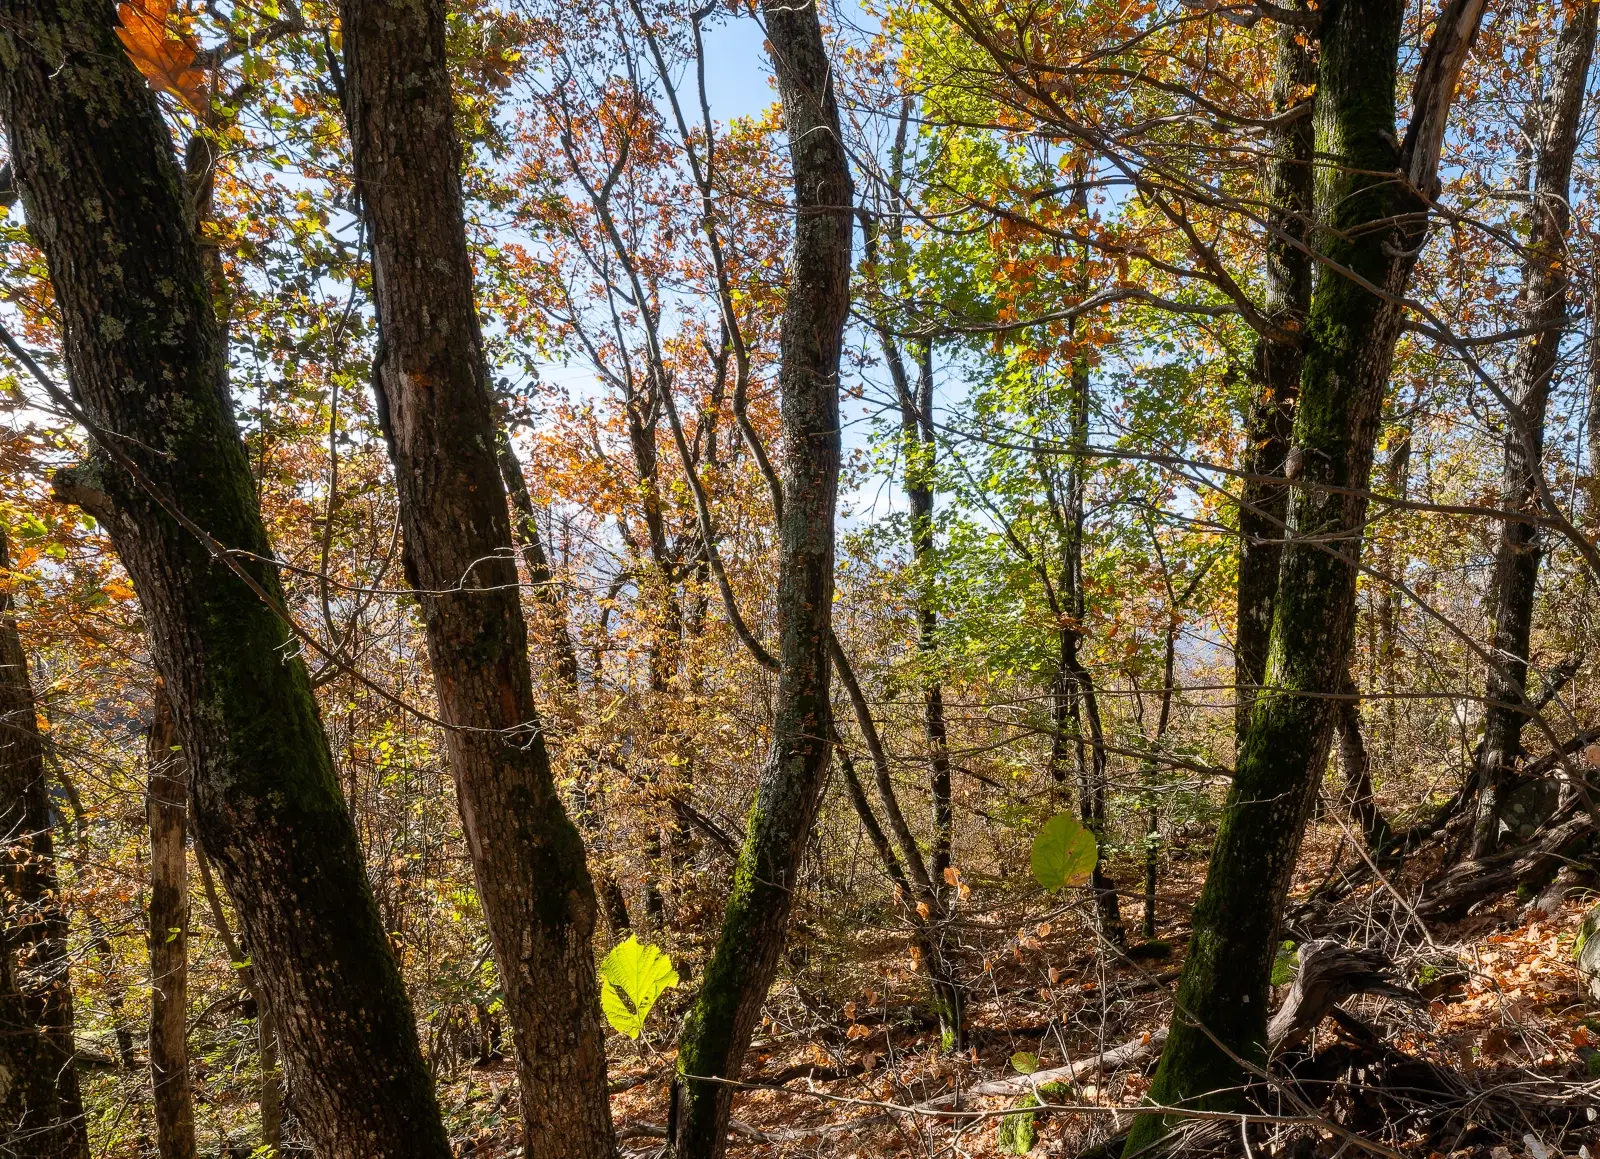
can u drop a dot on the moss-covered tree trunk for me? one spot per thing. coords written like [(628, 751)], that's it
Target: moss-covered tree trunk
[(717, 1031), (1373, 190), (1275, 375), (439, 419), (1544, 306), (167, 807), (40, 1105), (104, 200)]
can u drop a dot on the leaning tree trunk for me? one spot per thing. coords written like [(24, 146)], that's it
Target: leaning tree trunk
[(1376, 225), (717, 1031), (39, 1101), (438, 416), (171, 482), (1264, 498), (167, 806), (1544, 291)]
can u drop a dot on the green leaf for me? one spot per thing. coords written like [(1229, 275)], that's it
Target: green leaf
[(1024, 1063), (1064, 853), (642, 973)]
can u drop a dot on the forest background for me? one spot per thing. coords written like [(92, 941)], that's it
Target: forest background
[(1067, 285)]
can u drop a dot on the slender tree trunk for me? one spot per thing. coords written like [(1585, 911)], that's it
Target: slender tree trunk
[(433, 378), (1357, 767), (916, 421), (928, 933), (525, 530), (39, 1100), (270, 1097), (1376, 225), (717, 1031), (1397, 478), (1073, 679), (168, 805), (1517, 554), (171, 482), (1264, 499)]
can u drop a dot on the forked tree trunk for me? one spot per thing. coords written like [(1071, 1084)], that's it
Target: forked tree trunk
[(39, 1101), (1544, 294), (167, 805), (755, 923), (438, 415), (1264, 499), (1376, 224), (171, 482)]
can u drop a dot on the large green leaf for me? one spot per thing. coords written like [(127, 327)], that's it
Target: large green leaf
[(1064, 853), (642, 973)]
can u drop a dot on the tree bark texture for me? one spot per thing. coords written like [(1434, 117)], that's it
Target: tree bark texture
[(1518, 550), (1375, 225), (41, 1111), (1275, 376), (171, 480), (167, 807), (433, 379), (718, 1029)]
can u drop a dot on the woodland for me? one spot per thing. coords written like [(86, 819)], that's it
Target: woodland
[(909, 578)]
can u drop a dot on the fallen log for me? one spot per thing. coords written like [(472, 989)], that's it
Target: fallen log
[(1329, 973), (1467, 883)]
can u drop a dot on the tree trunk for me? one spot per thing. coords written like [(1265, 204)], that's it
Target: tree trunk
[(1357, 768), (918, 446), (171, 482), (553, 609), (1544, 290), (1264, 499), (717, 1031), (39, 1101), (270, 1097), (169, 937), (433, 379), (916, 422), (1074, 683), (1376, 224)]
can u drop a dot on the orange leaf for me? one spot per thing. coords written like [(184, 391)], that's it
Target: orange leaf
[(164, 54)]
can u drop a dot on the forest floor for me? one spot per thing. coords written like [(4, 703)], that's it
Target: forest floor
[(1508, 1020)]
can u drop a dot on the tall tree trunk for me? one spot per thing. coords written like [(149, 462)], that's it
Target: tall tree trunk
[(916, 422), (928, 931), (1264, 499), (1074, 686), (1376, 225), (167, 805), (39, 1099), (1397, 482), (717, 1031), (1544, 292), (433, 379), (171, 482), (1357, 767), (269, 1099), (553, 609)]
